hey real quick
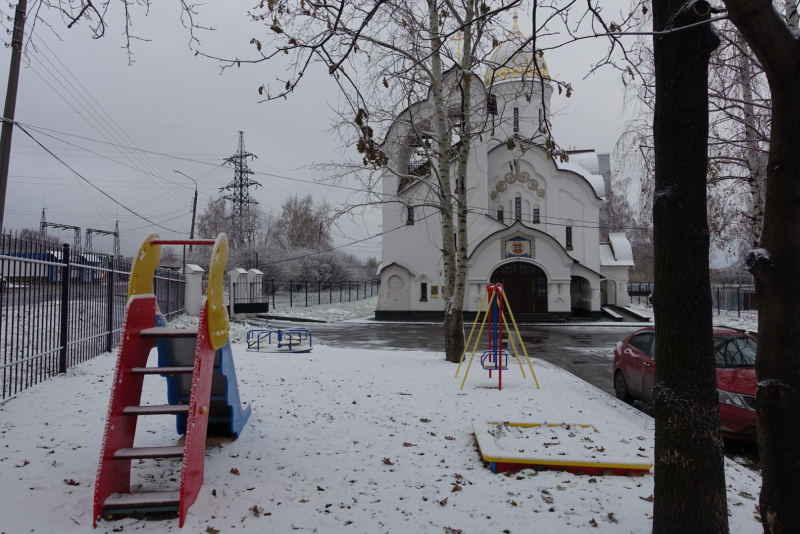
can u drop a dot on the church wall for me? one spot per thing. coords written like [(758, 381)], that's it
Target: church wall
[(395, 289), (618, 273), (511, 94), (489, 256)]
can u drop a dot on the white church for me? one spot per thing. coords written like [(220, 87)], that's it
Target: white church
[(533, 221)]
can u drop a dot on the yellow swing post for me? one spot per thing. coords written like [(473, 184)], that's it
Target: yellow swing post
[(477, 340), (474, 324), (513, 345), (519, 337)]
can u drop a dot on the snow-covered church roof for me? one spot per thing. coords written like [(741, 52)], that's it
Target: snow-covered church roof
[(595, 180), (617, 251)]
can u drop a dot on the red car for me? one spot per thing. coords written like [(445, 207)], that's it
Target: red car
[(735, 353)]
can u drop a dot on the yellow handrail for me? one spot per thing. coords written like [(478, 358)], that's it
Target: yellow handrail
[(513, 345), (474, 324), (475, 348), (514, 322)]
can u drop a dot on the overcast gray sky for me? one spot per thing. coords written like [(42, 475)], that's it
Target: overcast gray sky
[(170, 102)]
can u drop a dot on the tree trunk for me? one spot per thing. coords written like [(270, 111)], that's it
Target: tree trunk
[(689, 465), (453, 328), (756, 178), (454, 314), (776, 265)]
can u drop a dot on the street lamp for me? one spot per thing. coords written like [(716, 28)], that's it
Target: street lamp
[(194, 206)]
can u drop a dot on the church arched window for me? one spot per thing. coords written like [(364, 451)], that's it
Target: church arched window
[(500, 215), (536, 214), (518, 208), (516, 119)]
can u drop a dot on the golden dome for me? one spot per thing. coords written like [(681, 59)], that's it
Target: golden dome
[(520, 65)]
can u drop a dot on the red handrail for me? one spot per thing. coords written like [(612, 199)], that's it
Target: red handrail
[(182, 242)]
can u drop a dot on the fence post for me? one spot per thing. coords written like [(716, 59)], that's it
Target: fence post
[(64, 324), (330, 292), (340, 290), (738, 308), (290, 292), (306, 293), (319, 292), (717, 301), (110, 305)]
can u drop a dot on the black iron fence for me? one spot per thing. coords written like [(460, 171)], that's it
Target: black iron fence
[(639, 291), (734, 300), (305, 293), (270, 294), (61, 307)]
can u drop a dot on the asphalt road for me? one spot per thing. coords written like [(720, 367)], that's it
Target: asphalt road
[(583, 350)]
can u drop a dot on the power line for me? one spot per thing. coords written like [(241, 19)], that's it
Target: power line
[(115, 201)]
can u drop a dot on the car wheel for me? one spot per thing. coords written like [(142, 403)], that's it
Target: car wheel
[(621, 388)]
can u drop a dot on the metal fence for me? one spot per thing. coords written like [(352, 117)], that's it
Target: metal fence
[(639, 291), (305, 293), (738, 300), (735, 300), (299, 293), (61, 307)]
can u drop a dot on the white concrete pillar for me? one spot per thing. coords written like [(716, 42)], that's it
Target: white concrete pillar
[(193, 292), (235, 276)]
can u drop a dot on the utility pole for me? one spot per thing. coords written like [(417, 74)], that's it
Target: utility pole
[(194, 206), (11, 102)]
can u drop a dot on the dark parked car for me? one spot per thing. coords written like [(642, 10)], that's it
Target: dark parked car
[(735, 354)]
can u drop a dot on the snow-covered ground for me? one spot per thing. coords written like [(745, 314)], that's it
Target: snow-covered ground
[(338, 441), (751, 325), (330, 313)]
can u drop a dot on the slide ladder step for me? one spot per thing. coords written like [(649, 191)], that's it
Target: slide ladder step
[(157, 409), (164, 333), (148, 453), (135, 501), (162, 370)]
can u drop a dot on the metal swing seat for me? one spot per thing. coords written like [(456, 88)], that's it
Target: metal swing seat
[(489, 360)]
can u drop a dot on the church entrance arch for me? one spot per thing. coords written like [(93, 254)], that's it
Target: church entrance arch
[(525, 286)]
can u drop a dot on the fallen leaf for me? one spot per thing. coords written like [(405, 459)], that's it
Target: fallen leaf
[(449, 437), (70, 482), (548, 500), (407, 444), (234, 471), (592, 480), (424, 420), (212, 530), (648, 499), (303, 500), (512, 503), (387, 461), (214, 492), (746, 495), (320, 489), (593, 522), (456, 488), (612, 518), (443, 502), (256, 510), (561, 488)]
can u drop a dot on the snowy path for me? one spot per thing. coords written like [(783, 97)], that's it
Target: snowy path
[(311, 458)]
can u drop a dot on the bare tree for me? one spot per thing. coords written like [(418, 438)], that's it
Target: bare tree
[(685, 385), (773, 38), (304, 224)]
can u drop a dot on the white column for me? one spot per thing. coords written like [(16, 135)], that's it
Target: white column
[(193, 292)]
